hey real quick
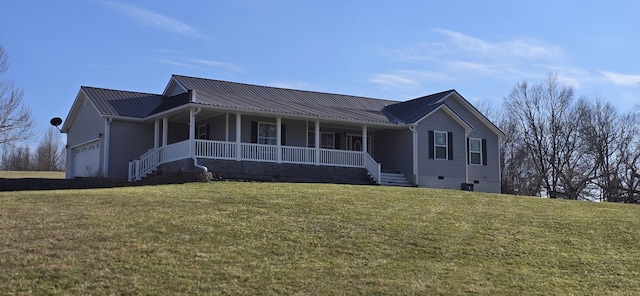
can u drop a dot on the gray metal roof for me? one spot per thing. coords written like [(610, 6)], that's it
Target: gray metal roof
[(123, 103), (286, 101), (412, 110), (265, 99)]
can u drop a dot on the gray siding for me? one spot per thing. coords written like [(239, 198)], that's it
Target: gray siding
[(86, 126), (485, 177), (394, 151), (453, 172), (128, 140)]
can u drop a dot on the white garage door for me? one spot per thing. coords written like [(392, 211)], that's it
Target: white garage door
[(86, 162)]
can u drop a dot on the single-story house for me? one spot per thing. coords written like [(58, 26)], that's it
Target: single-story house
[(237, 130)]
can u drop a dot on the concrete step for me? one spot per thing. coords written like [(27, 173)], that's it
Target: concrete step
[(394, 179)]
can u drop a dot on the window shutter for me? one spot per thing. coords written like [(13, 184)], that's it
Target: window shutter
[(468, 152), (431, 145), (283, 133), (450, 144), (484, 151), (206, 137), (336, 141), (254, 132)]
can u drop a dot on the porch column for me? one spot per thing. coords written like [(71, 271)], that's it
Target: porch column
[(165, 128), (192, 132), (279, 139), (156, 134), (238, 134), (226, 127), (364, 139), (317, 141)]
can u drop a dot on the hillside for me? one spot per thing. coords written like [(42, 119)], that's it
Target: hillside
[(274, 238)]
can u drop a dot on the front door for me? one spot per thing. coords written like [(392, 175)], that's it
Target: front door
[(354, 142)]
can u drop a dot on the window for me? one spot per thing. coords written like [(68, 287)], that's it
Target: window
[(440, 144), (267, 133), (475, 151), (203, 131), (327, 140)]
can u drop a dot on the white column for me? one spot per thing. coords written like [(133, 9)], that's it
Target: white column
[(226, 127), (238, 134), (279, 139), (192, 132), (364, 139), (105, 146), (156, 134), (317, 141), (165, 128)]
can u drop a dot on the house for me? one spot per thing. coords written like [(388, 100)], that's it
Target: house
[(236, 130)]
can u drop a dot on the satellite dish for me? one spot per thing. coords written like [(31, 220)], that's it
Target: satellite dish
[(56, 121)]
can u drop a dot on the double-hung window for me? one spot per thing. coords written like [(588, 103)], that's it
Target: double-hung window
[(475, 151), (441, 145), (327, 140), (267, 133)]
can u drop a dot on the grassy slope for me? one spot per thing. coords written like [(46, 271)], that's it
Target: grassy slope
[(255, 238), (31, 174)]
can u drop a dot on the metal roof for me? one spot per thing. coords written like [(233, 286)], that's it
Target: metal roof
[(123, 103), (264, 99), (412, 110)]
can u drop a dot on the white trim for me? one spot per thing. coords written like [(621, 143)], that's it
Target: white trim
[(370, 142), (238, 136), (84, 143)]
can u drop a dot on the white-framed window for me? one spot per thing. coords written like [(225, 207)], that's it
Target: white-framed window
[(327, 140), (202, 131), (475, 151), (441, 145), (267, 133)]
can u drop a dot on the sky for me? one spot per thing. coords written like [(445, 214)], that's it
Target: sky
[(396, 50)]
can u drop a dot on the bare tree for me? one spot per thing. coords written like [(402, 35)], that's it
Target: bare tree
[(544, 123), (16, 124), (49, 153)]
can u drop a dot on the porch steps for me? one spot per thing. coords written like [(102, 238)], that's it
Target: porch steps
[(394, 179)]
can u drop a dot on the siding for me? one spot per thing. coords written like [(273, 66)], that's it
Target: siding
[(86, 126), (394, 151), (129, 140), (489, 173), (449, 169)]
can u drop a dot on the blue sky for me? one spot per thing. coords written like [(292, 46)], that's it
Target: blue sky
[(395, 50)]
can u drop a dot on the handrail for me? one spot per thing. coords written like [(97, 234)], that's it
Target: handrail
[(372, 166)]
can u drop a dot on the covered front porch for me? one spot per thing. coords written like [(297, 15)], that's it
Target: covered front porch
[(213, 134)]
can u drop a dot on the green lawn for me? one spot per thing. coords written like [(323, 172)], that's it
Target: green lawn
[(31, 174), (274, 238)]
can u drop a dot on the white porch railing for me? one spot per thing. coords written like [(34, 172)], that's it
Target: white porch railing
[(144, 164), (372, 167), (252, 152)]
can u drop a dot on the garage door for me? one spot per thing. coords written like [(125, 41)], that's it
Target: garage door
[(86, 162)]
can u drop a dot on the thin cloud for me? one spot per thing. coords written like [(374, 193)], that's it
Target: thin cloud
[(180, 64), (520, 48), (154, 19), (217, 64), (621, 79), (291, 84)]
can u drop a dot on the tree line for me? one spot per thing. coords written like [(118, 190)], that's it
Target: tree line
[(559, 145)]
